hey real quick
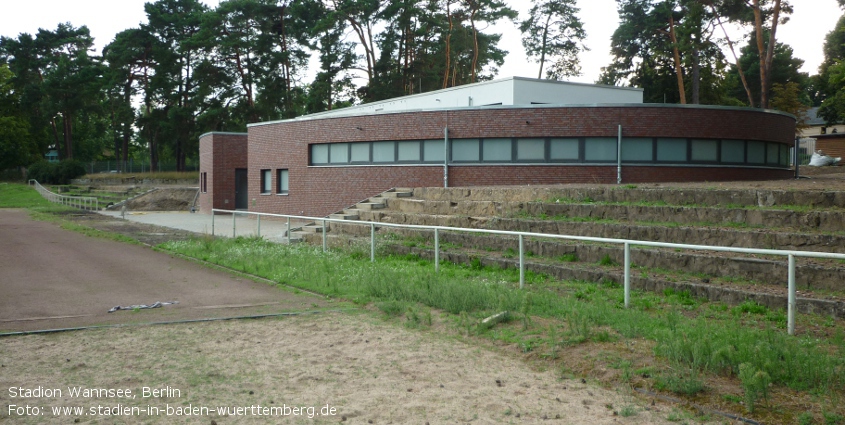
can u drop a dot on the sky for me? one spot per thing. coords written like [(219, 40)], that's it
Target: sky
[(805, 32)]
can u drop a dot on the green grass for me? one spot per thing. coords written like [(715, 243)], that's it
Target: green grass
[(698, 344), (16, 195)]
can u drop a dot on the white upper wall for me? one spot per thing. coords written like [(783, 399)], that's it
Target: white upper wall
[(510, 91)]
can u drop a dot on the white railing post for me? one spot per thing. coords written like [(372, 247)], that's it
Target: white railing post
[(288, 231), (234, 230), (521, 261), (791, 297), (373, 242), (259, 226), (213, 213), (324, 235), (437, 250), (627, 275)]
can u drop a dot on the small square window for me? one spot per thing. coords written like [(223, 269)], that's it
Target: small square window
[(465, 150), (637, 149), (497, 150), (282, 182), (319, 154), (530, 149), (674, 150), (409, 151), (563, 149), (384, 151), (600, 149), (339, 153), (705, 150), (433, 150), (266, 181)]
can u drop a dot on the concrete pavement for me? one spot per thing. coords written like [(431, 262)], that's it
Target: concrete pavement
[(223, 225)]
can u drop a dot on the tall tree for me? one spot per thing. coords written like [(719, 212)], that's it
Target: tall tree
[(764, 17), (174, 87), (661, 39), (554, 29), (17, 147)]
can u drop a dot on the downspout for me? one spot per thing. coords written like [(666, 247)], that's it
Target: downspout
[(446, 154), (619, 156), (795, 156)]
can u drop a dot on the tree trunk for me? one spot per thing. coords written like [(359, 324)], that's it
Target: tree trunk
[(696, 77), (543, 49), (764, 77), (677, 55), (68, 127), (448, 66)]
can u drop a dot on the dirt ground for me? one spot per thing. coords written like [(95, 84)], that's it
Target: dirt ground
[(370, 371), (54, 278)]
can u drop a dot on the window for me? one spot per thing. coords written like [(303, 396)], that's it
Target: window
[(704, 150), (409, 151), (756, 152), (266, 181), (360, 152), (600, 149), (530, 149), (772, 153), (433, 150), (498, 150), (637, 149), (465, 150), (733, 151), (784, 155), (384, 152), (339, 153), (319, 154), (282, 182), (674, 150), (563, 149), (204, 182)]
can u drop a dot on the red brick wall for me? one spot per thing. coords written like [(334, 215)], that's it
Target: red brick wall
[(323, 190), (220, 155)]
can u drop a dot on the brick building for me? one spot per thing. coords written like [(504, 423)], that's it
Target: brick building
[(506, 132)]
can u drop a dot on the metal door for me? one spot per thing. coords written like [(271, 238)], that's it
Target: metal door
[(241, 186)]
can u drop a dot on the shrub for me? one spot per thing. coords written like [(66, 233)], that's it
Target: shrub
[(56, 173)]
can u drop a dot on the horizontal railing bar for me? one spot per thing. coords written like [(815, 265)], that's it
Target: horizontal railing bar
[(785, 253)]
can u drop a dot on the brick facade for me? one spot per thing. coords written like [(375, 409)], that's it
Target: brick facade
[(220, 155), (319, 191)]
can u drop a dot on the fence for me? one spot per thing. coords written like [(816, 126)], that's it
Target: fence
[(82, 202), (626, 243), (132, 166)]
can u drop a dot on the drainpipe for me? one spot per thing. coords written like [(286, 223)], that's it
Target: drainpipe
[(795, 156), (619, 156), (446, 156)]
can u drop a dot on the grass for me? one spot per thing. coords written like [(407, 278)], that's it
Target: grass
[(697, 344), (17, 195)]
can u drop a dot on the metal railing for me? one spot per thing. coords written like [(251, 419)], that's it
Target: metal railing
[(89, 203), (626, 243)]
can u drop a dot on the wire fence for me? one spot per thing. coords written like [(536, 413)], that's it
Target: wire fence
[(626, 243), (132, 166)]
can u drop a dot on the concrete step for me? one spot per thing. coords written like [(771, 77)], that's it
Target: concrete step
[(396, 194), (369, 206), (344, 216), (314, 228)]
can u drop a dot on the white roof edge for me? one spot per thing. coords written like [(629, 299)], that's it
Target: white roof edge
[(593, 105)]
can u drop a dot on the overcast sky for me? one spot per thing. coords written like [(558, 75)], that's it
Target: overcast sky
[(805, 32)]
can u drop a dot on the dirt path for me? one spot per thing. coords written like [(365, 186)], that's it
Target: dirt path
[(369, 371), (54, 278)]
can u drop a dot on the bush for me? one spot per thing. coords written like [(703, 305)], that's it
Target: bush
[(56, 173)]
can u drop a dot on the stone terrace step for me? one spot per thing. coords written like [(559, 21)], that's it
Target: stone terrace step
[(766, 239), (567, 271), (769, 271), (772, 218), (671, 196)]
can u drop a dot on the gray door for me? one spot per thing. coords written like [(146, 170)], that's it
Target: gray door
[(241, 186)]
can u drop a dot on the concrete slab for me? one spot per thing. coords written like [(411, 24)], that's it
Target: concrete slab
[(243, 225)]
